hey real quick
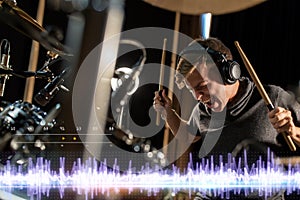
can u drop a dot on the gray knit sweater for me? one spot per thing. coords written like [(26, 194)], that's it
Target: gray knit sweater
[(244, 124), (244, 119)]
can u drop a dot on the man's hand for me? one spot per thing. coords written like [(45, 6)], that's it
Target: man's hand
[(162, 103), (282, 121)]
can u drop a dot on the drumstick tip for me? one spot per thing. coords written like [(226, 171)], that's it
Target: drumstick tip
[(236, 43)]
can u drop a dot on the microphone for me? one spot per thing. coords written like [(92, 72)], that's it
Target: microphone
[(50, 90), (128, 87), (5, 55), (37, 74), (26, 74), (130, 84)]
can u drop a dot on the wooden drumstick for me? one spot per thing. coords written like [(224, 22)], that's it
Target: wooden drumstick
[(161, 76), (262, 92)]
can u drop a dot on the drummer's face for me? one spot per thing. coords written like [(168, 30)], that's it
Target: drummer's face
[(207, 87)]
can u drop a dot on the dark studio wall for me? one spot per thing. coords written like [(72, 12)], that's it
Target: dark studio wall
[(267, 33)]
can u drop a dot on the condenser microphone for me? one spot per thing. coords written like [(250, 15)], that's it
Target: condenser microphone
[(50, 90), (5, 55)]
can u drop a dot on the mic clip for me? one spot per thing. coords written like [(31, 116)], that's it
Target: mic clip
[(51, 89)]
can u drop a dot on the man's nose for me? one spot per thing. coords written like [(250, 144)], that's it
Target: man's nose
[(198, 95)]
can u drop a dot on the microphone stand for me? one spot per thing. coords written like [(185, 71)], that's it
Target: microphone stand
[(129, 83)]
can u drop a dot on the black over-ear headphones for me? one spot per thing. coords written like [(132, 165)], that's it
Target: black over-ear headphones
[(230, 70)]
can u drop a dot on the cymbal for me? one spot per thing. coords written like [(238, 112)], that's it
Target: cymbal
[(197, 7), (25, 24)]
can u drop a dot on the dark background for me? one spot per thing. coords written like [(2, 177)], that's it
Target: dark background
[(268, 34)]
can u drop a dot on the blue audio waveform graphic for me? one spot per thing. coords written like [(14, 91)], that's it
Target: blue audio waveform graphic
[(92, 178)]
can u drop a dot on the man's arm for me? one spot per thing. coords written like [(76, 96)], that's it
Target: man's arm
[(282, 121), (163, 104)]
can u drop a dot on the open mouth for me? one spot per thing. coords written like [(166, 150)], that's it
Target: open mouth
[(211, 102), (207, 101)]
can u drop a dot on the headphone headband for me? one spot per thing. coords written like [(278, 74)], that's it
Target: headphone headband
[(229, 70)]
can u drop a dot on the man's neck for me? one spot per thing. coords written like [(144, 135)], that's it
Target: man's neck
[(233, 90)]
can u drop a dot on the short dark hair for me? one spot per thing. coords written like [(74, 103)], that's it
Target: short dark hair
[(184, 66)]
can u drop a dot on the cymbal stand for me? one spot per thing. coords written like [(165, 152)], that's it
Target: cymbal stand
[(29, 87)]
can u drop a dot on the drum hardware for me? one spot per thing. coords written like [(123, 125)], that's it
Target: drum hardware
[(128, 83), (55, 83), (126, 78), (126, 140), (51, 89), (24, 129), (26, 74), (5, 56), (126, 73), (124, 83)]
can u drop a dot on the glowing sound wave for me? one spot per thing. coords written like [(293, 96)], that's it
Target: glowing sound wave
[(93, 178)]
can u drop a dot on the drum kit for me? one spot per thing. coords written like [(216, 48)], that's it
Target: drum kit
[(24, 127)]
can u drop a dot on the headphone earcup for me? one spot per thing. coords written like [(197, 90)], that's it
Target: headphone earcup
[(231, 71)]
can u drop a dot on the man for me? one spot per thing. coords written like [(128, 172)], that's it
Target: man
[(230, 113)]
